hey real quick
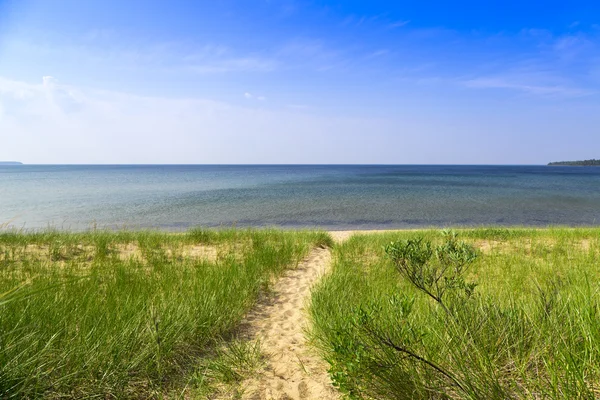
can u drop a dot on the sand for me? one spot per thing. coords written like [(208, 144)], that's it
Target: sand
[(292, 370), (341, 236)]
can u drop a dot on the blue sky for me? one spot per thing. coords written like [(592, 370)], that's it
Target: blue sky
[(294, 81)]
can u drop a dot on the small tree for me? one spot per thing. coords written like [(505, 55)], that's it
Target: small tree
[(438, 270)]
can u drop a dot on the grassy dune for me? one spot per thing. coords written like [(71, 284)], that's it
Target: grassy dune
[(529, 329), (144, 314), (128, 314)]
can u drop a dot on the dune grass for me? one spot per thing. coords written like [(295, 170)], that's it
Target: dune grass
[(128, 314), (530, 328)]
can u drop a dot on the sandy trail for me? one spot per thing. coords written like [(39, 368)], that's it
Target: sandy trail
[(293, 370)]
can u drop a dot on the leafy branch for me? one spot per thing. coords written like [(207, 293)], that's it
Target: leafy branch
[(435, 270)]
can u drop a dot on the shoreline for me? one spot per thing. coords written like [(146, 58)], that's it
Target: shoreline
[(338, 236)]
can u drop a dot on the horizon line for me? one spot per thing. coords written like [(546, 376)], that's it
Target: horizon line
[(260, 164)]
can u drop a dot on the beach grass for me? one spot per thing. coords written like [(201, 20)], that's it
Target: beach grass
[(131, 314), (154, 315), (530, 328)]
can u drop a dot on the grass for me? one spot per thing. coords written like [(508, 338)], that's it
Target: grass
[(530, 329), (132, 314), (220, 374), (154, 315)]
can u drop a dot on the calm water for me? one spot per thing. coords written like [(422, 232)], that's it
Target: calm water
[(333, 197)]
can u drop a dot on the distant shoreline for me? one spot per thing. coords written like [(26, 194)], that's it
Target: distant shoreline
[(3, 163), (583, 163)]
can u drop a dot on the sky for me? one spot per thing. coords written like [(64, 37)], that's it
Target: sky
[(299, 82)]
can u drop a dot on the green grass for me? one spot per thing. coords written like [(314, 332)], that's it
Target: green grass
[(530, 330), (131, 314)]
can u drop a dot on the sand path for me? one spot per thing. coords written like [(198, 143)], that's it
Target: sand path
[(293, 370)]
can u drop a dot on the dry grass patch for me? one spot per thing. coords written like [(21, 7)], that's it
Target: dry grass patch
[(123, 251), (532, 246)]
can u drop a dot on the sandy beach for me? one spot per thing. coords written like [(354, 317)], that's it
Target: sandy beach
[(341, 236)]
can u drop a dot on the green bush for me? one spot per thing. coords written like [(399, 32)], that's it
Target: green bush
[(411, 323)]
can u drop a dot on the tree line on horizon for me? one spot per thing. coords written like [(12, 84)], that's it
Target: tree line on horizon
[(584, 163)]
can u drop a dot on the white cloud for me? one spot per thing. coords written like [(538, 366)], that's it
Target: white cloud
[(250, 96), (17, 90), (49, 81), (64, 98)]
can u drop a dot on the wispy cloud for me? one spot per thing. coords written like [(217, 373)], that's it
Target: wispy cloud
[(115, 127), (222, 59), (100, 35), (176, 56), (536, 33), (574, 47), (552, 66), (359, 20), (398, 24), (284, 8), (381, 20), (63, 98), (250, 96), (378, 53), (313, 54), (243, 64), (17, 90), (300, 107), (529, 88)]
